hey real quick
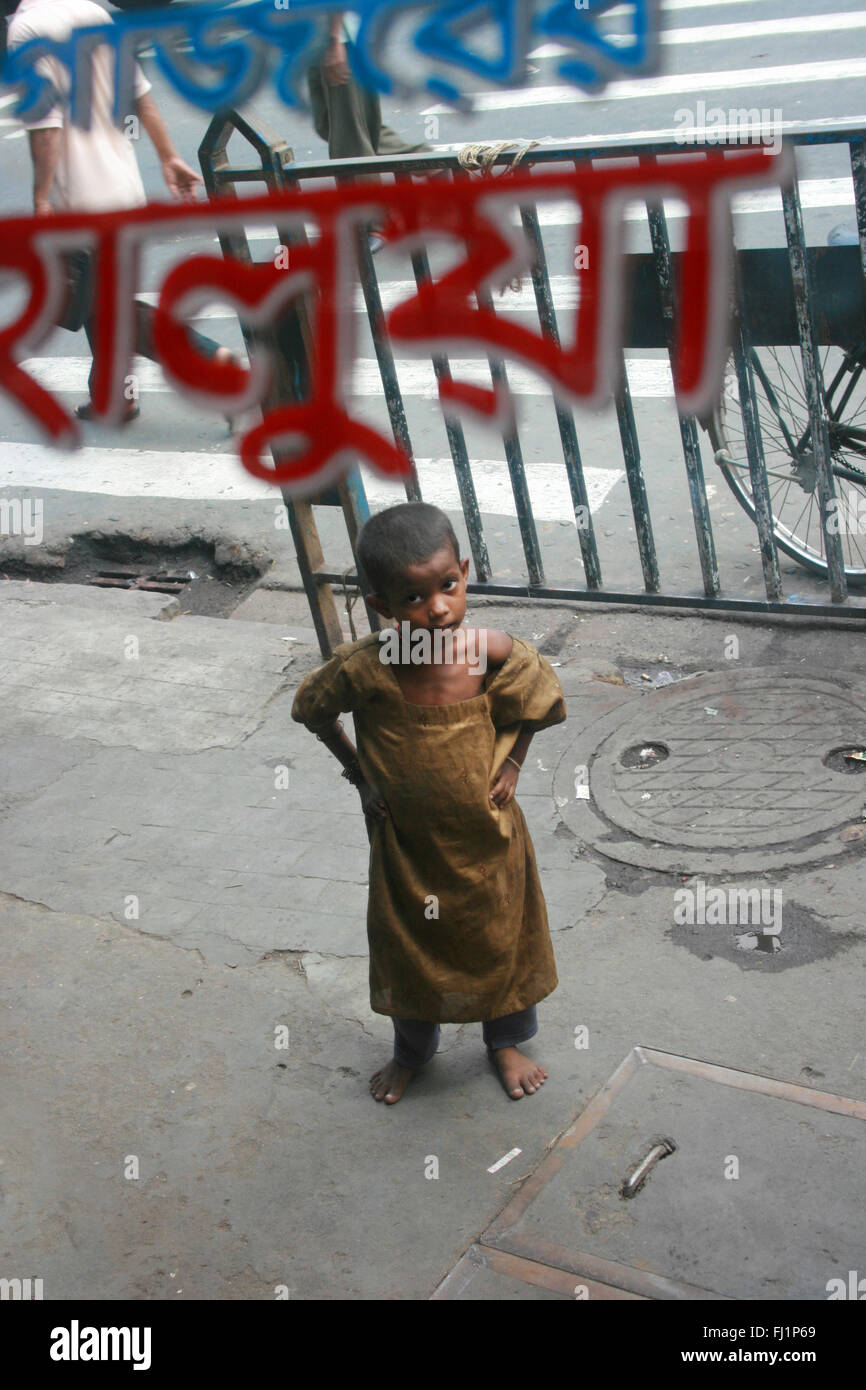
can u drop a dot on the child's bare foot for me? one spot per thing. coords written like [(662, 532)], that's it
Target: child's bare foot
[(520, 1075), (390, 1083)]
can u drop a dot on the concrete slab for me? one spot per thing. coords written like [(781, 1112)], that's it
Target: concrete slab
[(128, 601), (133, 680)]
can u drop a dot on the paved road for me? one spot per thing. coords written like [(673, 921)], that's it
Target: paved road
[(788, 58)]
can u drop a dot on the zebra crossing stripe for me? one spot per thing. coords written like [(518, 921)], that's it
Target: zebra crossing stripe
[(648, 377), (731, 33), (675, 84), (192, 476)]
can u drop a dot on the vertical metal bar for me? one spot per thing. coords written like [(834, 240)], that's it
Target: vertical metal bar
[(814, 388), (514, 459), (356, 510), (459, 452), (637, 486), (385, 358), (858, 173), (757, 466), (289, 346), (564, 416), (688, 427), (349, 491), (457, 445), (320, 597)]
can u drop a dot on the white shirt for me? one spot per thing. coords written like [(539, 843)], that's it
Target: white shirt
[(97, 170)]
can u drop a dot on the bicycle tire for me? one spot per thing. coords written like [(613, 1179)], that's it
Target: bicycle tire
[(783, 416)]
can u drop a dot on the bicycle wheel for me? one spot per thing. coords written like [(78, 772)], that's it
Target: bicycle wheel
[(783, 413)]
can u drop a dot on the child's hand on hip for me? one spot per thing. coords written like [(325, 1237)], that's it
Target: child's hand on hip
[(372, 802), (505, 786)]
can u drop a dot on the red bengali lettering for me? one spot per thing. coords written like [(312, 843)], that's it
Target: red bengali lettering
[(315, 439)]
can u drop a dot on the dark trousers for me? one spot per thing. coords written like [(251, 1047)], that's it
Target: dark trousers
[(349, 119), (144, 317), (78, 313), (415, 1042)]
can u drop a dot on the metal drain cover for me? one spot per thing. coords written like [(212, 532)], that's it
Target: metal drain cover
[(133, 577), (758, 1197), (744, 785)]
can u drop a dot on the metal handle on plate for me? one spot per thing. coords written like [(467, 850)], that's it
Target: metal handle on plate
[(632, 1185)]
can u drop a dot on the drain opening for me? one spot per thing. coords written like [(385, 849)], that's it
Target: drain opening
[(644, 755), (653, 676), (757, 941), (210, 578), (849, 759)]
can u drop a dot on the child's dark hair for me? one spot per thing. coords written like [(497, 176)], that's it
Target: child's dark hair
[(400, 536)]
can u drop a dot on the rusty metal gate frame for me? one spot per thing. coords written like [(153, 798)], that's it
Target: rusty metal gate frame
[(764, 279)]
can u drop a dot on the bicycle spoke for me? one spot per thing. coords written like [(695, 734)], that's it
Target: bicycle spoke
[(853, 504), (794, 530), (773, 402), (787, 377), (852, 546), (785, 498), (814, 508), (785, 426)]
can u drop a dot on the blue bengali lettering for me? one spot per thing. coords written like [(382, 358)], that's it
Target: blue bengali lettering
[(228, 54), (598, 58)]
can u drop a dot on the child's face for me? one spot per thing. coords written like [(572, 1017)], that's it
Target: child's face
[(428, 595)]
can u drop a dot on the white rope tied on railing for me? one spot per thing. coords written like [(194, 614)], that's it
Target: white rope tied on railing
[(481, 158)]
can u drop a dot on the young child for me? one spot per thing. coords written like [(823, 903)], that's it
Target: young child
[(456, 920)]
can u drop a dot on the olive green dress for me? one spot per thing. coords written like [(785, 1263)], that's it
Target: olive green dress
[(456, 920)]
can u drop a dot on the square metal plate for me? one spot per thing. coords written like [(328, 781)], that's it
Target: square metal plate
[(761, 1198)]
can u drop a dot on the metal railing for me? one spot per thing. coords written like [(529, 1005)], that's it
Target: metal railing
[(795, 295)]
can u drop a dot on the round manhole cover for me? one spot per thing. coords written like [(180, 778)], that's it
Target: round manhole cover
[(742, 769)]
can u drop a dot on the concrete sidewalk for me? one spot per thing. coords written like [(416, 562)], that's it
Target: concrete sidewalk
[(183, 879)]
